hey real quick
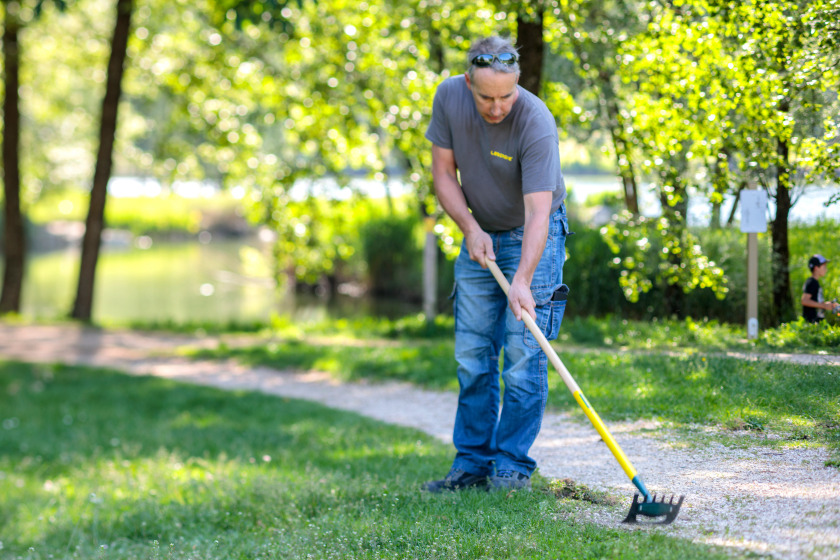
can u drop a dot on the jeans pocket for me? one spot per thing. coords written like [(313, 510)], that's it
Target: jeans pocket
[(551, 306), (558, 309)]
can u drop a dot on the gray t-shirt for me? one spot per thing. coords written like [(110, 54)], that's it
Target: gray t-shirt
[(498, 163)]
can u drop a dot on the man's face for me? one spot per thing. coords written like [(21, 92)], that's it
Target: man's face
[(819, 271), (494, 93)]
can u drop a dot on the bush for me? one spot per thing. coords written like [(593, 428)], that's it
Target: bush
[(392, 249), (394, 255), (595, 289), (593, 285)]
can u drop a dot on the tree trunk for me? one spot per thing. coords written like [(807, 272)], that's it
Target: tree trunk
[(731, 219), (98, 194), (623, 157), (14, 238), (529, 39), (430, 274), (674, 293), (782, 309)]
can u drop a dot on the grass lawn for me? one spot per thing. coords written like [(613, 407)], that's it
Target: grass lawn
[(97, 464)]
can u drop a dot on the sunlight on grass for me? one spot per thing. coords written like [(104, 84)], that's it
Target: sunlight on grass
[(264, 477), (688, 387)]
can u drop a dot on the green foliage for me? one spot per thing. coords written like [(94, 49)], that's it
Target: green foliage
[(101, 465), (637, 244), (377, 242), (612, 199), (693, 95), (594, 287), (392, 250), (594, 272), (316, 237), (792, 336), (162, 214)]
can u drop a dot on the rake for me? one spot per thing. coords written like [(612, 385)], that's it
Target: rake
[(644, 504)]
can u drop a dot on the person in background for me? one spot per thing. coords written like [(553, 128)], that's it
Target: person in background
[(814, 305)]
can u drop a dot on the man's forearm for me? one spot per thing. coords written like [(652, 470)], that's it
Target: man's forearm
[(533, 246), (534, 236), (451, 197)]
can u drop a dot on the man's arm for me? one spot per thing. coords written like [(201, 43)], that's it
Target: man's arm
[(451, 197), (537, 212)]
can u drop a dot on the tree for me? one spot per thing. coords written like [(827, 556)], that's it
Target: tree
[(14, 239), (588, 34), (94, 224), (786, 62), (531, 45), (731, 92)]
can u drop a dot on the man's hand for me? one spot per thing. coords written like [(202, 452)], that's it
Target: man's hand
[(521, 300), (480, 245)]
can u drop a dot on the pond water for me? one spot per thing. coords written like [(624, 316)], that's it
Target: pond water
[(220, 282)]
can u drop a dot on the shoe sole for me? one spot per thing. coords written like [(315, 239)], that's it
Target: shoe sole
[(483, 484)]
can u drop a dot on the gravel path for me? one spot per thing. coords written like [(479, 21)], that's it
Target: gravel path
[(778, 503)]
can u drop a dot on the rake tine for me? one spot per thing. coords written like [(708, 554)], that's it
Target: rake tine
[(654, 509)]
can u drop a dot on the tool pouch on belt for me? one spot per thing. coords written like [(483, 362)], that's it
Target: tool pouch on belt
[(558, 308), (561, 293)]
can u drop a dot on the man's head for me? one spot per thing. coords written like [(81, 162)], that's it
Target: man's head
[(817, 264), (492, 77)]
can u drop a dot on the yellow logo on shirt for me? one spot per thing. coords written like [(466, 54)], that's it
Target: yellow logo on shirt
[(501, 155)]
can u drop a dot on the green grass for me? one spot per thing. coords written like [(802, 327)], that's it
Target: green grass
[(798, 403), (699, 336), (694, 383), (589, 332), (96, 464)]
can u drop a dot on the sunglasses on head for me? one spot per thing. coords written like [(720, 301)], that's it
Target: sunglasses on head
[(484, 60)]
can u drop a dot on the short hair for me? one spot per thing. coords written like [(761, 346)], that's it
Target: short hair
[(493, 45)]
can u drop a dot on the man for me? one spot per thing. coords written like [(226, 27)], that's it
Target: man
[(813, 303), (496, 169)]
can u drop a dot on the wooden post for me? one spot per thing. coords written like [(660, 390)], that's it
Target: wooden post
[(752, 286), (753, 221), (430, 270)]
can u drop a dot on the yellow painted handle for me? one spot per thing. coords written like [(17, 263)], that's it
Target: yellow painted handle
[(567, 379)]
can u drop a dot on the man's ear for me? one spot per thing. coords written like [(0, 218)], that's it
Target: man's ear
[(467, 77)]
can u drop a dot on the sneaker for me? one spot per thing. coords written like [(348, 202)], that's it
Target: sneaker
[(510, 480), (457, 479)]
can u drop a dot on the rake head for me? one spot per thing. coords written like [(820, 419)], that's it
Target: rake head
[(664, 512)]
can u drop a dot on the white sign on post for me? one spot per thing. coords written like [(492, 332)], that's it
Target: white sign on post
[(753, 211)]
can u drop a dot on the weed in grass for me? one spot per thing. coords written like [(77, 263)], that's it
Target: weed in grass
[(569, 489), (747, 424)]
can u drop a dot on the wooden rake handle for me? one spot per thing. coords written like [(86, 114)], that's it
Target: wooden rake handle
[(573, 387)]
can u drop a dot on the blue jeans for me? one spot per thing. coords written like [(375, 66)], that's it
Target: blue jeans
[(484, 325)]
